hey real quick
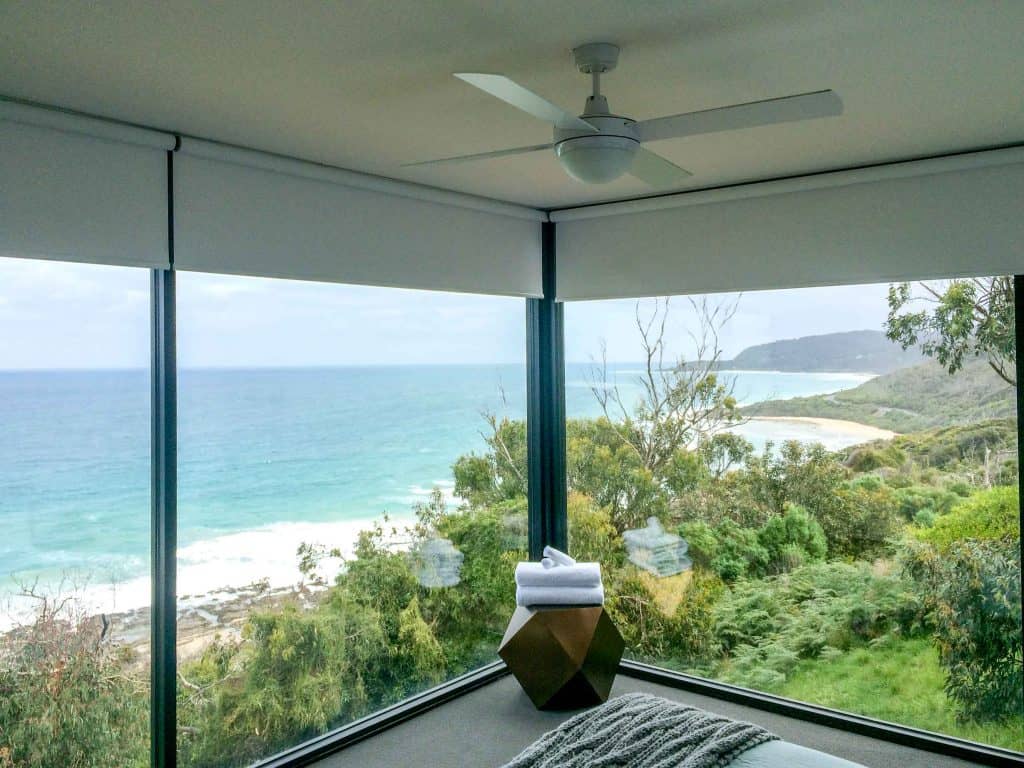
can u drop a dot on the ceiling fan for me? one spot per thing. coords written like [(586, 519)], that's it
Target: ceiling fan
[(598, 146)]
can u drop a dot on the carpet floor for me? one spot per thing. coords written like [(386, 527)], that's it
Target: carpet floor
[(492, 724)]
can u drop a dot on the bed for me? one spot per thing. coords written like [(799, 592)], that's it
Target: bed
[(638, 730)]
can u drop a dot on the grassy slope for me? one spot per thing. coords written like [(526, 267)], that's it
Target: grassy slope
[(900, 682), (907, 400)]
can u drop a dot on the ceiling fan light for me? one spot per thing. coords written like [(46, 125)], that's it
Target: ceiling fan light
[(597, 159)]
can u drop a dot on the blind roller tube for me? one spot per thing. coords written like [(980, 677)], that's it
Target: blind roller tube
[(78, 189), (241, 212)]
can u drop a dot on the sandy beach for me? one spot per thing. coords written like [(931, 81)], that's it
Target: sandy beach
[(835, 434), (862, 432)]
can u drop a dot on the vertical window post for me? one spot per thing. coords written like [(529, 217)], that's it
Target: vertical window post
[(163, 463), (545, 410), (1018, 333)]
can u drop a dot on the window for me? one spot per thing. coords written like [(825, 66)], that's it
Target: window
[(346, 536), (74, 511), (811, 493)]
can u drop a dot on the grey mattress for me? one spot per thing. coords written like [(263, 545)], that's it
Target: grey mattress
[(783, 754)]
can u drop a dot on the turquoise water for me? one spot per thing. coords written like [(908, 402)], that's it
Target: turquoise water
[(259, 450)]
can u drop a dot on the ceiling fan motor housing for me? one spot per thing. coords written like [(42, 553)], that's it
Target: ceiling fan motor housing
[(597, 158)]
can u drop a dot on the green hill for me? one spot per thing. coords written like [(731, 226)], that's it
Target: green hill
[(859, 351), (910, 399)]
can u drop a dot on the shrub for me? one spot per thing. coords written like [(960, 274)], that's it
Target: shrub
[(602, 465), (592, 536), (960, 488), (373, 638), (798, 474), (859, 521), (684, 637), (869, 458), (738, 552), (957, 445), (691, 632), (991, 514), (297, 673), (972, 588), (727, 549), (868, 482), (67, 698), (792, 540), (897, 479), (913, 499), (702, 542), (732, 551), (925, 518)]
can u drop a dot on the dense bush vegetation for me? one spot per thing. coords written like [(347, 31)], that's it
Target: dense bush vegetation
[(988, 515), (67, 698), (970, 568)]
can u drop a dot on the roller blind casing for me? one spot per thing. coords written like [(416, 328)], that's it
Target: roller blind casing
[(242, 219), (908, 222), (70, 196)]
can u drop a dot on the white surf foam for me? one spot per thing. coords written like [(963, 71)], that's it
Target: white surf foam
[(212, 570)]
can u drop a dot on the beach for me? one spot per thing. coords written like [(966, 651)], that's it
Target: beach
[(849, 432)]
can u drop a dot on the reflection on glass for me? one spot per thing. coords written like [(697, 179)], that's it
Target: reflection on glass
[(655, 550), (437, 563)]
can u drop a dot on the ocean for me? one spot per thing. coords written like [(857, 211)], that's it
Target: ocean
[(268, 458)]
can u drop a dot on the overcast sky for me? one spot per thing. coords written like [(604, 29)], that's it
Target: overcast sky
[(56, 315)]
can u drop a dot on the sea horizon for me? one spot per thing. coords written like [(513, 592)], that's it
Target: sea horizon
[(348, 366)]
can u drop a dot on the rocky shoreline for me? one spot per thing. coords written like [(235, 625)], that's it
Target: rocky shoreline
[(203, 619)]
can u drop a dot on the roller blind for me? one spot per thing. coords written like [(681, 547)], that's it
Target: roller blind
[(947, 217), (243, 212), (77, 189)]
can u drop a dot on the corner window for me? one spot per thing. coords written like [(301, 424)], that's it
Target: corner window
[(811, 493)]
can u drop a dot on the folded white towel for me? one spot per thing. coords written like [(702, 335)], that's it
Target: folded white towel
[(579, 575), (547, 562), (559, 557), (530, 596)]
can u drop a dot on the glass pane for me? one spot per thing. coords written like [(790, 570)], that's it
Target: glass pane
[(74, 512), (344, 538), (811, 493)]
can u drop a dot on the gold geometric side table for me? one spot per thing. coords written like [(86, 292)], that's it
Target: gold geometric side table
[(563, 657)]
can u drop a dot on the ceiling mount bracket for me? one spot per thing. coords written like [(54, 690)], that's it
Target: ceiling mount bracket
[(595, 58)]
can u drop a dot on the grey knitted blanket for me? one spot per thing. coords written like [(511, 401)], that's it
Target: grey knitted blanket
[(642, 731)]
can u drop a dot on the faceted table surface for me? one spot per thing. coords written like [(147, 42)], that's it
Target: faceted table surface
[(563, 657)]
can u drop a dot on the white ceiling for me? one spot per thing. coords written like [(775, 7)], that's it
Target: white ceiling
[(367, 85)]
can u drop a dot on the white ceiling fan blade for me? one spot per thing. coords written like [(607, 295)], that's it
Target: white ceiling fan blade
[(512, 93), (481, 155), (655, 170), (787, 109)]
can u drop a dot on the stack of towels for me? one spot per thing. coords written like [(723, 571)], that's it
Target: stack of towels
[(558, 580)]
